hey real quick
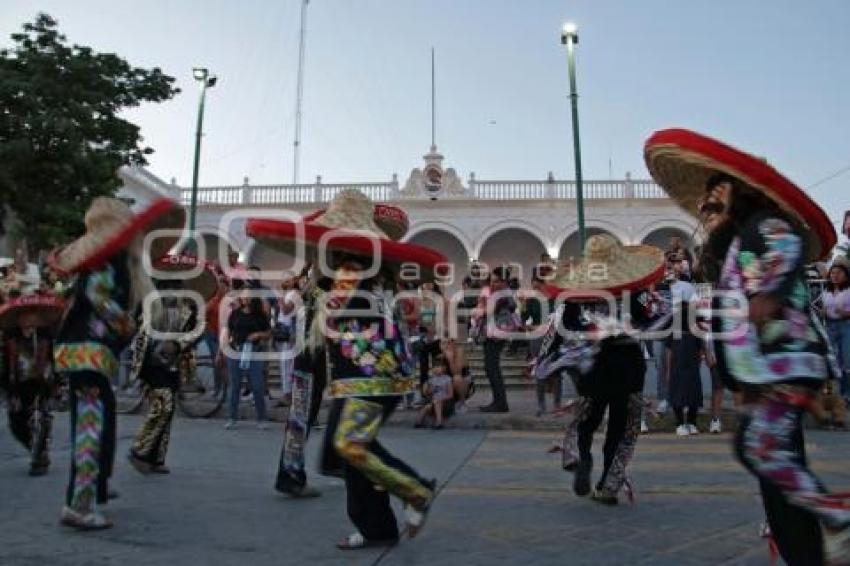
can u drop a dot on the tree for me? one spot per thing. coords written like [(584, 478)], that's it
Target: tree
[(61, 139)]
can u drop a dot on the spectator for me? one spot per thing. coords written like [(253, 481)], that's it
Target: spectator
[(437, 391), (283, 334), (533, 319), (685, 394), (836, 307), (246, 333), (431, 305), (502, 308)]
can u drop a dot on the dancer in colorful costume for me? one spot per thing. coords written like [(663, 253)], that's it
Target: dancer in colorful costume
[(27, 324), (157, 362), (367, 362), (765, 229), (110, 284), (605, 362)]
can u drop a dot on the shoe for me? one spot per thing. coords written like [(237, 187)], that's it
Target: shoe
[(683, 430), (91, 521), (138, 464), (662, 407), (604, 496), (644, 428), (230, 425), (303, 492), (692, 429), (715, 427), (163, 469), (357, 541), (581, 482), (36, 471), (112, 494), (493, 409), (539, 413), (461, 408), (438, 426)]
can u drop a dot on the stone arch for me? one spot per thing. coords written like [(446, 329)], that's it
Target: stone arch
[(570, 246), (440, 227), (450, 245), (516, 245), (660, 237), (687, 228)]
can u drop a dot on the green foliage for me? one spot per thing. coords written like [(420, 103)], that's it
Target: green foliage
[(61, 139)]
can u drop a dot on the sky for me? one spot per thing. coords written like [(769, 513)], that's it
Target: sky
[(769, 76)]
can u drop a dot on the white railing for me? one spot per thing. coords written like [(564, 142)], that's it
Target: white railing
[(265, 195)]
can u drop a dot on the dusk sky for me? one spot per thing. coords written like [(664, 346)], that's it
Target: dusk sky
[(771, 77)]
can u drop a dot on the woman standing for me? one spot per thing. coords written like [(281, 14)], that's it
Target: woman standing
[(684, 352), (110, 286), (836, 307), (778, 355), (246, 333)]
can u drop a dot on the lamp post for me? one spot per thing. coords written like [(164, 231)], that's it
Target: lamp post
[(202, 75), (569, 37)]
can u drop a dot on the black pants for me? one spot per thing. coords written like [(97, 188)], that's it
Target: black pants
[(683, 418), (93, 392), (428, 352), (353, 440), (796, 531), (557, 386), (618, 409), (493, 370)]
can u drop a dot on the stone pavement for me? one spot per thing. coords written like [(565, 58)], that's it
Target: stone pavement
[(504, 500)]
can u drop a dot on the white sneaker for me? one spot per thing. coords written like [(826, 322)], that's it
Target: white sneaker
[(715, 427), (662, 407), (692, 429), (230, 425), (644, 428), (683, 430)]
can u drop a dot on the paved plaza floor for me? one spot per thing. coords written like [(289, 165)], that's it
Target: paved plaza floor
[(503, 500)]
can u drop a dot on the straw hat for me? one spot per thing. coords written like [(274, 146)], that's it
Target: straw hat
[(47, 308), (354, 221), (205, 283), (682, 162), (391, 219), (111, 226), (609, 266)]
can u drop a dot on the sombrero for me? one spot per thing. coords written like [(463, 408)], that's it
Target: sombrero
[(608, 266), (205, 282), (349, 223), (682, 162), (47, 308), (111, 226), (391, 219)]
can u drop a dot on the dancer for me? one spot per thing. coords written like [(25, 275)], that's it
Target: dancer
[(778, 356), (367, 362), (156, 361), (26, 323), (606, 363), (309, 373), (111, 284)]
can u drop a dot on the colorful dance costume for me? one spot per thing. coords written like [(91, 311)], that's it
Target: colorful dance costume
[(157, 364), (30, 382), (778, 358)]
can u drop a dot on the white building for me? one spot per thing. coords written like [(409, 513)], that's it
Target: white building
[(494, 221)]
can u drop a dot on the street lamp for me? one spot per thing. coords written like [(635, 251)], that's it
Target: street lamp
[(569, 37), (205, 81)]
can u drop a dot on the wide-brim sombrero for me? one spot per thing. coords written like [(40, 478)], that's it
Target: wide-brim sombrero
[(682, 161), (347, 225), (607, 267), (47, 308), (111, 226), (389, 218), (203, 281)]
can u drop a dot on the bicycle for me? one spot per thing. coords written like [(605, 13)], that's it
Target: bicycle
[(203, 386)]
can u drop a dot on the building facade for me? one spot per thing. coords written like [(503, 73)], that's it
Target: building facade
[(493, 221)]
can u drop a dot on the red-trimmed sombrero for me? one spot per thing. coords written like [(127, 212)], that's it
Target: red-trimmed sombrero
[(204, 283), (47, 308), (682, 162), (350, 218), (111, 226), (391, 219), (608, 266)]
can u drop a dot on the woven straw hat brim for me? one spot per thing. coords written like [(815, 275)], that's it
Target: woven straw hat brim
[(95, 247), (639, 267), (682, 162), (205, 283), (282, 235), (392, 220), (47, 308)]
